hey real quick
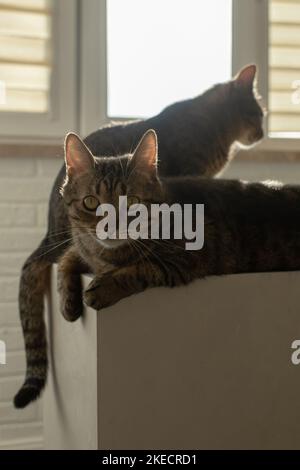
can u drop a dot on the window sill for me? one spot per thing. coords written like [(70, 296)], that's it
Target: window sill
[(267, 151), (270, 151), (280, 144), (31, 150)]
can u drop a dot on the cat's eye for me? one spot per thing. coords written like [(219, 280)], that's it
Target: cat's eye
[(131, 200), (90, 203)]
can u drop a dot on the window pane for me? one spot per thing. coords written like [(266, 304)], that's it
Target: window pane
[(25, 62), (284, 68), (161, 51)]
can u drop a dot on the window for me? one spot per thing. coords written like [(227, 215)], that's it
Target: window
[(284, 68), (184, 47), (38, 74), (161, 51), (140, 55), (77, 64)]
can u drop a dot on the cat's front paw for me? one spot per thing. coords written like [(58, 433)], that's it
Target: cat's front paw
[(102, 292), (70, 297), (71, 306)]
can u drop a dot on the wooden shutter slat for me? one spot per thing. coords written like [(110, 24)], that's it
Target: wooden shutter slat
[(21, 49), (284, 123), (284, 66), (24, 24), (25, 55), (24, 100), (285, 35), (284, 11), (26, 76), (26, 5), (281, 101)]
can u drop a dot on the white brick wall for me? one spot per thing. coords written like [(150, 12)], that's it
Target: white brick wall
[(24, 191)]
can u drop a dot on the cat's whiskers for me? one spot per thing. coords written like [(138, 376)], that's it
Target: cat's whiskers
[(129, 175), (151, 253), (170, 245), (131, 146), (143, 257), (54, 248), (122, 169)]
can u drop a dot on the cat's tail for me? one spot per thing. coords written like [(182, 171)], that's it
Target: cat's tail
[(33, 285)]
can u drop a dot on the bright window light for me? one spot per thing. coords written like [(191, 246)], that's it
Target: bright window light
[(161, 51)]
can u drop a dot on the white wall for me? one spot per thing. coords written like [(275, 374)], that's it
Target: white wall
[(24, 189)]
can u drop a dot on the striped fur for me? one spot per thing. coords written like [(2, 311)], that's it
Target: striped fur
[(31, 300)]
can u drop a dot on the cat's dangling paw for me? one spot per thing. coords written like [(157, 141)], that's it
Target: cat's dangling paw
[(70, 295), (101, 292), (71, 306)]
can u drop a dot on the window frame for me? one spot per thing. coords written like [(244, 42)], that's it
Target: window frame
[(80, 103), (93, 66), (62, 116)]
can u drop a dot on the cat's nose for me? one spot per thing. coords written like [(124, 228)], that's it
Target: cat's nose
[(260, 134)]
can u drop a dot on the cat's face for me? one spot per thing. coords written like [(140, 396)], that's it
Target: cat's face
[(245, 102), (93, 181)]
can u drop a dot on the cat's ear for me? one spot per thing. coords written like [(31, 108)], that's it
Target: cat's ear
[(78, 157), (246, 78), (144, 158)]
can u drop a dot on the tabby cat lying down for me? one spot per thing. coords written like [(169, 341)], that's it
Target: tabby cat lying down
[(196, 138), (249, 227)]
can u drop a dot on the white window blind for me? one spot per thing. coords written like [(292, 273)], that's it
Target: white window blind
[(284, 68), (25, 55)]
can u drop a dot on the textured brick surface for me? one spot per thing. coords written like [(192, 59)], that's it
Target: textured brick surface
[(24, 191)]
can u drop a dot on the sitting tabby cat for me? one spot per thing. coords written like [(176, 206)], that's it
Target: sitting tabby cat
[(196, 138)]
